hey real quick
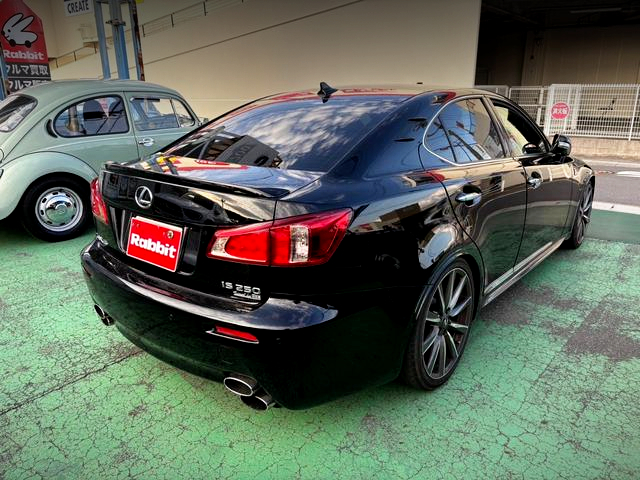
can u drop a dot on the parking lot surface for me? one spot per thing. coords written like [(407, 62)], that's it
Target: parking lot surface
[(548, 388)]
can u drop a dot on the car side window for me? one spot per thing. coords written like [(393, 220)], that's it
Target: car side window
[(94, 116), (153, 113), (185, 119), (471, 132), (522, 136), (437, 141)]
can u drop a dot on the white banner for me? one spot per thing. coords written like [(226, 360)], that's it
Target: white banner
[(77, 7)]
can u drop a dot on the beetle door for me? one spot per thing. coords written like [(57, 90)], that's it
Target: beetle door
[(158, 120), (486, 187), (95, 130), (548, 181)]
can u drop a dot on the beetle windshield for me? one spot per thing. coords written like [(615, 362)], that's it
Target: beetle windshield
[(13, 110)]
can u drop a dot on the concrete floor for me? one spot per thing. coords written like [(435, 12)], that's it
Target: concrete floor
[(548, 388)]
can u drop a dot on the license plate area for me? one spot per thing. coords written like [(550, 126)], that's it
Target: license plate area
[(155, 242)]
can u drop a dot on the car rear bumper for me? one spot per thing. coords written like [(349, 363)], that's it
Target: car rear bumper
[(307, 352)]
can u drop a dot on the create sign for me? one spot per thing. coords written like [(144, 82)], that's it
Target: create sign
[(23, 45), (77, 7)]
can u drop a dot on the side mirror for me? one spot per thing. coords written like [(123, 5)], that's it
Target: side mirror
[(561, 145), (531, 148)]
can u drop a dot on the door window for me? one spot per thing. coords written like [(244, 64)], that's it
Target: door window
[(471, 132), (522, 136), (437, 142), (151, 113), (95, 116)]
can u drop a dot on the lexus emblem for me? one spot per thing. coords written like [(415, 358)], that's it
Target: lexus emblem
[(144, 197)]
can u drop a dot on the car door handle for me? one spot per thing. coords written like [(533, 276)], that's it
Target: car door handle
[(534, 181), (147, 142), (469, 198)]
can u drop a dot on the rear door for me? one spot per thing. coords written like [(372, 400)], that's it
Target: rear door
[(486, 186), (158, 120), (548, 181)]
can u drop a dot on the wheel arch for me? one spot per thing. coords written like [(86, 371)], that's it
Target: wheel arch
[(23, 173)]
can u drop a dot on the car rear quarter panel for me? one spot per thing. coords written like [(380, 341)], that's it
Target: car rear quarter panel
[(19, 174)]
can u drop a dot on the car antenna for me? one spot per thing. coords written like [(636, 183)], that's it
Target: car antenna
[(326, 91)]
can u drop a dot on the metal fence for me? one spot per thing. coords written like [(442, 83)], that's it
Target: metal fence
[(599, 110), (583, 110), (533, 100), (501, 89)]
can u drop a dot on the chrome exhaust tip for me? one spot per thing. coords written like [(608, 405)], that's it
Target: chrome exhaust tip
[(261, 401), (104, 317), (241, 385)]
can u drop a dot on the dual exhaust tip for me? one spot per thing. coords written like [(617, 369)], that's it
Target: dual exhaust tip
[(245, 387), (104, 316), (249, 392)]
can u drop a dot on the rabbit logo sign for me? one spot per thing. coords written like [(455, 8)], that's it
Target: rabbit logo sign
[(14, 31)]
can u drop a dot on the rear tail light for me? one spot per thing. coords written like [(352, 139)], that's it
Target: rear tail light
[(98, 206), (296, 241)]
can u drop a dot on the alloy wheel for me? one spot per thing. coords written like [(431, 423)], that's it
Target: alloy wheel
[(584, 213), (447, 321)]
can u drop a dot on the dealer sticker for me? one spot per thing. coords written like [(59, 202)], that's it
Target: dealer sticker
[(155, 242)]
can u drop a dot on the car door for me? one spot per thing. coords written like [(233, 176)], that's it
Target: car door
[(94, 129), (485, 186), (549, 180), (158, 120)]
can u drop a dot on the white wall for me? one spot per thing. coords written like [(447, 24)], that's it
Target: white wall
[(260, 47)]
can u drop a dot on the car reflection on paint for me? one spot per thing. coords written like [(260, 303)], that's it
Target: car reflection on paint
[(330, 242)]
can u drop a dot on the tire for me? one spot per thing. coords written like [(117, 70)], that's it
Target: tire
[(56, 208), (582, 220), (440, 334)]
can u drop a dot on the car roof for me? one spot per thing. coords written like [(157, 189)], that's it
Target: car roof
[(368, 92), (56, 90)]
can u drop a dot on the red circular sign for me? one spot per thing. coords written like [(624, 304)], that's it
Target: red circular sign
[(559, 110)]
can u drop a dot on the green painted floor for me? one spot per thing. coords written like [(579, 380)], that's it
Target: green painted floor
[(549, 387)]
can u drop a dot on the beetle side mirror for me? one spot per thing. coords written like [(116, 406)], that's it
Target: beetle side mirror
[(561, 145)]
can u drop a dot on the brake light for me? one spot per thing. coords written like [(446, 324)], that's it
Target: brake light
[(98, 206), (296, 241)]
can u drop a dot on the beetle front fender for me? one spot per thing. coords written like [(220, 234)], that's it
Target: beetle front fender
[(19, 174)]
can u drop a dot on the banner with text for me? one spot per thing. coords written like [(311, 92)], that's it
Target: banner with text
[(23, 45)]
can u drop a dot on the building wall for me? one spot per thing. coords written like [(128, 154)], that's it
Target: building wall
[(563, 55), (259, 47)]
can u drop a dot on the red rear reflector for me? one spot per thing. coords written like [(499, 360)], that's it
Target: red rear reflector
[(296, 241), (98, 207), (230, 332)]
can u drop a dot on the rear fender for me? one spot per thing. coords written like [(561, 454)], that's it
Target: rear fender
[(22, 172)]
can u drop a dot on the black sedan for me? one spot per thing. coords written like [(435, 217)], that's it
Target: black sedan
[(308, 245)]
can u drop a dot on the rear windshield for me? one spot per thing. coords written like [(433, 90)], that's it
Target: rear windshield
[(13, 110), (295, 135)]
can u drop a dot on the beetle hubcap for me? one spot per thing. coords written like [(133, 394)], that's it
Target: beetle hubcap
[(59, 209)]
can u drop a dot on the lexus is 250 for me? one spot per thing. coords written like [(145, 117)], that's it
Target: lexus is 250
[(308, 245)]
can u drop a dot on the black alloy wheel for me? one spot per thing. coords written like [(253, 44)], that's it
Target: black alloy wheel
[(583, 218), (442, 328)]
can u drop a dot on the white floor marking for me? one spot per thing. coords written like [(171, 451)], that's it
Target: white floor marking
[(616, 207)]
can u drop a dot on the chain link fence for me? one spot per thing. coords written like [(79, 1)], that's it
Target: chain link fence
[(583, 110)]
